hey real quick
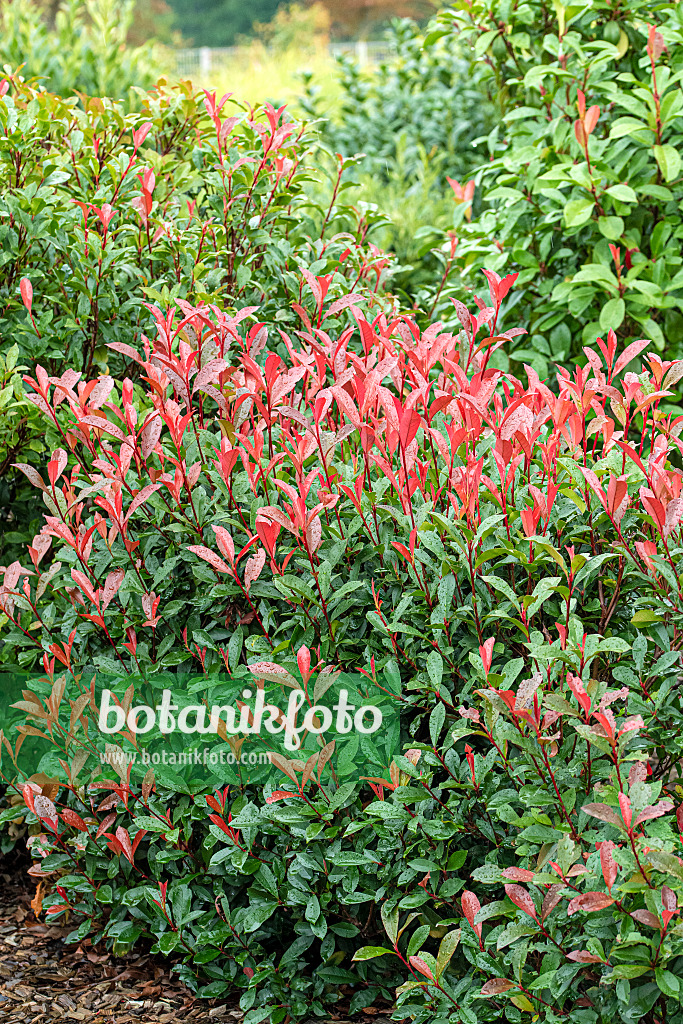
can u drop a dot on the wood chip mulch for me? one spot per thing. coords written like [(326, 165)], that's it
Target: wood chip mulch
[(43, 981)]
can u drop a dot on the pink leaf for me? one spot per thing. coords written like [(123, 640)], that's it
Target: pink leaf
[(655, 811), (629, 353), (26, 289), (418, 963), (496, 987), (273, 673), (521, 898), (225, 542), (149, 435), (518, 874), (582, 956), (646, 917), (253, 568), (604, 813), (125, 350), (111, 586), (33, 474), (140, 498), (214, 560)]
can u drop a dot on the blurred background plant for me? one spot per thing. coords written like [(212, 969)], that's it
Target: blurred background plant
[(82, 46), (418, 119)]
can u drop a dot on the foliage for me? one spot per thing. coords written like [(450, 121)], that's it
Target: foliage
[(85, 51), (219, 22), (188, 200), (21, 430), (424, 93), (418, 120), (295, 27), (583, 187), (379, 498)]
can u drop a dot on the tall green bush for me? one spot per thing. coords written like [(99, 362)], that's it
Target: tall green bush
[(583, 187), (85, 52), (416, 121)]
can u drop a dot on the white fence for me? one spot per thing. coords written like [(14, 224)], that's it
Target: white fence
[(202, 61)]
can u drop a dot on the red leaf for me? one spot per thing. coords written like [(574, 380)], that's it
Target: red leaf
[(253, 568), (470, 908), (112, 585), (518, 874), (551, 899), (582, 956), (588, 902), (280, 794), (604, 813), (214, 560), (70, 817), (149, 435), (608, 863), (104, 824), (521, 898), (409, 426), (418, 963), (496, 987), (669, 904), (26, 289), (125, 843), (654, 811), (646, 917), (629, 353)]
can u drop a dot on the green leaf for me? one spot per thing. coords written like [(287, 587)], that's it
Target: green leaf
[(436, 720), (417, 938), (628, 971), (447, 948), (517, 930), (370, 952), (622, 193), (390, 921), (578, 212), (612, 313), (668, 983), (611, 228), (435, 668), (341, 795), (668, 160)]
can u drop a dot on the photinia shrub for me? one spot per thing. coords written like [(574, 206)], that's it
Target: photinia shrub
[(103, 212), (376, 498)]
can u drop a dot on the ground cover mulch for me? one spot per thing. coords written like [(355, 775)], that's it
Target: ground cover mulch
[(44, 981)]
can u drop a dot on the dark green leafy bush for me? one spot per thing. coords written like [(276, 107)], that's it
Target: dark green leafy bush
[(424, 93), (510, 555)]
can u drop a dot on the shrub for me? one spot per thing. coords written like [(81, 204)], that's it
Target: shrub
[(424, 92), (415, 123), (377, 498), (191, 199), (86, 51), (582, 191)]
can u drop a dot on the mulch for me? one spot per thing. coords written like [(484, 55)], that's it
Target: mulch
[(43, 981)]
